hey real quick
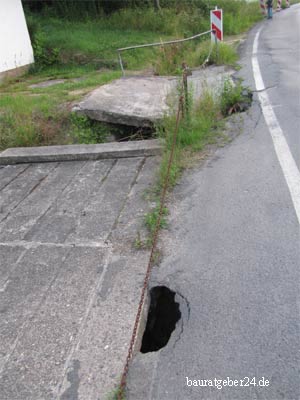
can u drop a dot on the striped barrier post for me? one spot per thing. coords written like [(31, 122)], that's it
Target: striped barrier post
[(279, 2), (278, 5), (263, 7), (216, 24)]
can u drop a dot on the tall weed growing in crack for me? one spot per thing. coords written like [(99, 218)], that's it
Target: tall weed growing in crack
[(234, 97)]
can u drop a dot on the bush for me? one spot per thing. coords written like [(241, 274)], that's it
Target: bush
[(44, 55)]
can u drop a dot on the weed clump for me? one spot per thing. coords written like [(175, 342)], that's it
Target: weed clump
[(152, 217), (87, 131), (234, 98)]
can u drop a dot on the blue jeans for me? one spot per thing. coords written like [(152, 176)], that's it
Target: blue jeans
[(270, 12)]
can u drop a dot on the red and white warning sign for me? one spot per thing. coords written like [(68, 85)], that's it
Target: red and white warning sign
[(216, 24)]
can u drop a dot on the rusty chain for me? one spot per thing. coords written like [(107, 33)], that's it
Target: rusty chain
[(179, 116)]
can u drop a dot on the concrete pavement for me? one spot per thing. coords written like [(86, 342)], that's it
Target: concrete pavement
[(70, 276), (233, 252)]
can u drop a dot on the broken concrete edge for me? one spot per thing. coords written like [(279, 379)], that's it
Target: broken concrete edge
[(145, 101), (81, 152), (121, 119)]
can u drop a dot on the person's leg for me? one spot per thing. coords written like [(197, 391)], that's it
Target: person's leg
[(278, 5), (269, 12)]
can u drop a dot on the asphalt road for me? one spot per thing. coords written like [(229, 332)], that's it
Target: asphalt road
[(233, 248)]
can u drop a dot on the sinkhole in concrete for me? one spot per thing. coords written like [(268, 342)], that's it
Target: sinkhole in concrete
[(108, 132), (124, 133), (164, 313)]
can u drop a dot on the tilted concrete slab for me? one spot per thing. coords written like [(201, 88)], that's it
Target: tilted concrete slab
[(81, 152), (143, 101), (134, 101), (70, 276)]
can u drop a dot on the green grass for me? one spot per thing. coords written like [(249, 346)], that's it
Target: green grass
[(115, 395), (189, 19), (235, 97), (152, 217), (194, 133), (41, 116), (95, 41), (84, 53)]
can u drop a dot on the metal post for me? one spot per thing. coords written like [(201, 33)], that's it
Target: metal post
[(121, 63), (217, 45), (185, 74), (186, 93)]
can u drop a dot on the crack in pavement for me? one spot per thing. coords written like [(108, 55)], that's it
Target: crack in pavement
[(266, 88)]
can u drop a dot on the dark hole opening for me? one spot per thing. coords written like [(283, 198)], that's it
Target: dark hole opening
[(124, 133), (163, 315)]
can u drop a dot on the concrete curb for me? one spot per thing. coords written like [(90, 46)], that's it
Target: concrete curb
[(80, 152)]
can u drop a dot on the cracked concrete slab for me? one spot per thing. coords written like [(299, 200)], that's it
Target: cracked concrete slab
[(144, 101), (70, 277)]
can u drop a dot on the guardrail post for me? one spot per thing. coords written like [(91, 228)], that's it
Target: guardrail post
[(185, 74), (263, 7), (121, 63), (217, 46)]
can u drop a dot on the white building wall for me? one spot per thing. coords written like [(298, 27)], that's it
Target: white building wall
[(15, 46)]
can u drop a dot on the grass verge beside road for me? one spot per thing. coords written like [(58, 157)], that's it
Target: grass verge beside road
[(42, 116), (83, 52)]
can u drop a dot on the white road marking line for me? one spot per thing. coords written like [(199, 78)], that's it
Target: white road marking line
[(284, 155)]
